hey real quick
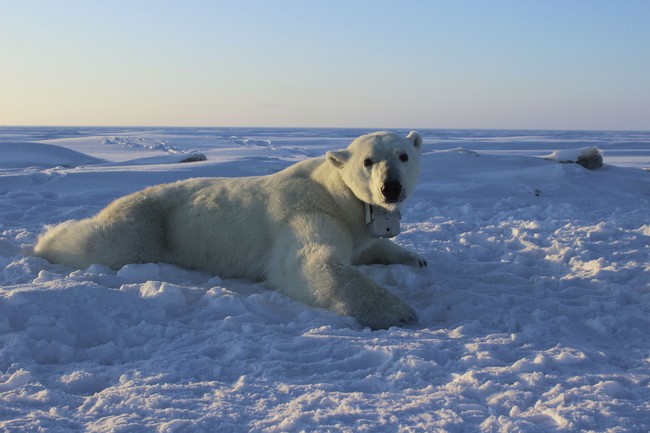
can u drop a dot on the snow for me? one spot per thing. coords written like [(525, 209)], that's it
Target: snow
[(573, 155), (25, 154), (588, 157), (534, 312)]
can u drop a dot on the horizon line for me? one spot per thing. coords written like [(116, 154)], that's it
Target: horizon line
[(438, 128)]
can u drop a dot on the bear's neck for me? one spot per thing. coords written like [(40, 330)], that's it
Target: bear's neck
[(351, 208), (365, 221)]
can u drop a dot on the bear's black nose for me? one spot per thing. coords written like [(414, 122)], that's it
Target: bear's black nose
[(391, 190)]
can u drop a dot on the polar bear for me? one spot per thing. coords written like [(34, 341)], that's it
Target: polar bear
[(301, 230)]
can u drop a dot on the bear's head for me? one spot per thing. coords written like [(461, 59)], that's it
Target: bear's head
[(381, 168)]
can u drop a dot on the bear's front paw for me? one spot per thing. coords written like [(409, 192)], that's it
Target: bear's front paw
[(394, 312), (415, 260)]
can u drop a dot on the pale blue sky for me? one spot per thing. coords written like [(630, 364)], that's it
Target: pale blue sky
[(545, 64)]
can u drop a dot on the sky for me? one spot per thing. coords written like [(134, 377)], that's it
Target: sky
[(517, 64)]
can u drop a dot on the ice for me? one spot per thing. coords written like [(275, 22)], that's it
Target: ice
[(534, 310)]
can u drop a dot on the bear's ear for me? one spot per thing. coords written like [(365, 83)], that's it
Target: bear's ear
[(416, 139), (338, 158)]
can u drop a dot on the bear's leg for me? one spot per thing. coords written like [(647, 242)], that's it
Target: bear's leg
[(312, 262), (130, 230), (385, 252)]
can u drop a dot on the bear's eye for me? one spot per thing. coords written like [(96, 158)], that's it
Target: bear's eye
[(403, 157), (367, 162)]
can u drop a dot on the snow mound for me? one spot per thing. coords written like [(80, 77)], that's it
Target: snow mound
[(27, 154), (588, 157), (163, 159)]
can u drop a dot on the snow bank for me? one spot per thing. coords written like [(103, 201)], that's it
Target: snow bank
[(588, 157), (26, 154), (534, 311)]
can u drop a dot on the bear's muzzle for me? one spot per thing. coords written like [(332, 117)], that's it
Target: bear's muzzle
[(392, 191)]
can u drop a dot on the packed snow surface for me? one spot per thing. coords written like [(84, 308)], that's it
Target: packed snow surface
[(534, 312)]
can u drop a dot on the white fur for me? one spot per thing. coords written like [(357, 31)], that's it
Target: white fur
[(301, 229)]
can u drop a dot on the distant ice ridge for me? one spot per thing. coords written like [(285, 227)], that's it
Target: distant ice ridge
[(533, 312)]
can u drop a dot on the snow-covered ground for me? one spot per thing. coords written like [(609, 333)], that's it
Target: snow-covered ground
[(534, 312)]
